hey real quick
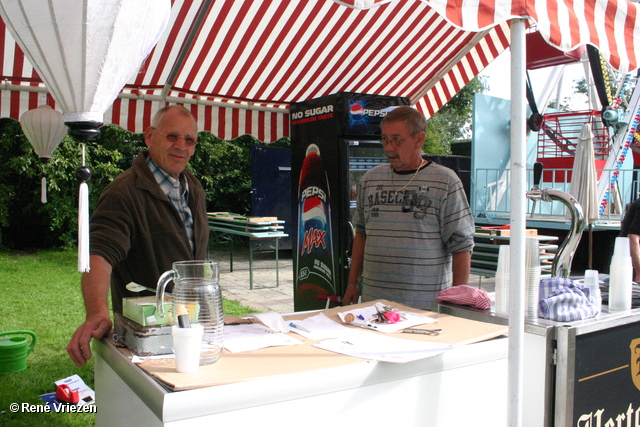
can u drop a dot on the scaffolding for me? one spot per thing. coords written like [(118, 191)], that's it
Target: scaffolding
[(559, 135), (558, 139)]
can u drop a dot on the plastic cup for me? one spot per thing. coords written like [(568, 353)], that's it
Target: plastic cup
[(532, 277), (591, 282), (502, 282), (622, 247), (186, 346)]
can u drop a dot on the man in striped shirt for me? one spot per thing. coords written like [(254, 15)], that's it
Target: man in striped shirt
[(414, 229), (150, 216)]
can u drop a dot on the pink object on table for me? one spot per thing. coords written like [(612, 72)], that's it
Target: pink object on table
[(465, 295), (392, 317)]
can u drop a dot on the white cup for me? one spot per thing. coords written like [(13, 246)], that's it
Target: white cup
[(186, 346)]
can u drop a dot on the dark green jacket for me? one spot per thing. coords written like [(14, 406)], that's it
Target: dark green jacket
[(137, 230)]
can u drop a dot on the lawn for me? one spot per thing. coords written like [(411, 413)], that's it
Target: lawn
[(40, 292)]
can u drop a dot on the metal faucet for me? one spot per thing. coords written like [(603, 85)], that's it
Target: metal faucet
[(561, 266)]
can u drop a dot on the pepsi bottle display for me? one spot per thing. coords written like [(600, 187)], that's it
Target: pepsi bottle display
[(314, 266)]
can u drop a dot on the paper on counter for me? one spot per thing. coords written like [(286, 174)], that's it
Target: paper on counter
[(238, 338), (273, 321), (320, 327), (141, 359), (383, 348), (369, 313)]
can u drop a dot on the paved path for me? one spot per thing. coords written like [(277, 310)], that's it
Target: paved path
[(266, 296)]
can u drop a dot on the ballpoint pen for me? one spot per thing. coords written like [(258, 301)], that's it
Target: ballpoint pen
[(302, 328), (422, 331)]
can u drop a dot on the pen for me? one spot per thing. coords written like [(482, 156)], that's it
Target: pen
[(302, 328), (422, 331)]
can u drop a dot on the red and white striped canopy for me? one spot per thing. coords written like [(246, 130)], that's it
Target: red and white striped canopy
[(239, 64)]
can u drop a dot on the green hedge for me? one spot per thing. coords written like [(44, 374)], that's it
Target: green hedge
[(223, 167)]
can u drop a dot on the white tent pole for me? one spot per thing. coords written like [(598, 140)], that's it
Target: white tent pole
[(518, 222)]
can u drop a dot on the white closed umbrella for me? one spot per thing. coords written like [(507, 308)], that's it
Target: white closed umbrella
[(584, 181), (85, 51)]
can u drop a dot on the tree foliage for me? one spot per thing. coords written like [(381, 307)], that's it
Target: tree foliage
[(222, 166), (452, 121), (613, 84)]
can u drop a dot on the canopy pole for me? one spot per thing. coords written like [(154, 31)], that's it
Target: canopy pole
[(518, 202)]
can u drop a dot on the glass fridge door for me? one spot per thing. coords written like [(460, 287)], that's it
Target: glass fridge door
[(363, 155)]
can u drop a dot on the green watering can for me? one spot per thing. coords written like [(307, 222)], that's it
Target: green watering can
[(14, 351)]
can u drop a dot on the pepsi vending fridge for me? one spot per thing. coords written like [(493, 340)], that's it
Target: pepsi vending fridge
[(334, 140)]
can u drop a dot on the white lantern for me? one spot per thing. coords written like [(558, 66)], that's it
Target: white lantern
[(85, 51), (44, 128)]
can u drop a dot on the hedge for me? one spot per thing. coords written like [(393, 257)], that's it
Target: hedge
[(224, 168)]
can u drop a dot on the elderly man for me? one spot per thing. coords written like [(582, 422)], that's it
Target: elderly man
[(151, 215), (414, 229)]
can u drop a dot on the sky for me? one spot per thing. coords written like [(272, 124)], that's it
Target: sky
[(499, 72)]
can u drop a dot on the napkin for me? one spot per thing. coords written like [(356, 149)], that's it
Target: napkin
[(564, 300), (465, 295)]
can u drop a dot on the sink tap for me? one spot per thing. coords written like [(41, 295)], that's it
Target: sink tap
[(561, 266)]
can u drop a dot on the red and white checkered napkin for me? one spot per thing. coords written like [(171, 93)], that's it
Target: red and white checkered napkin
[(465, 295)]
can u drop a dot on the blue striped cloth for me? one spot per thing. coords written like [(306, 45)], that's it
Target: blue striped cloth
[(563, 300)]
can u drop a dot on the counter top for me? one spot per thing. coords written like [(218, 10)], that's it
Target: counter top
[(273, 361), (541, 326)]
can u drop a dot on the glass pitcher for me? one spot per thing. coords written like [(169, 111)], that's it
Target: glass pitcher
[(196, 292)]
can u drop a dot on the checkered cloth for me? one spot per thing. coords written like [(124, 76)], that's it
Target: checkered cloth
[(564, 300), (465, 295)]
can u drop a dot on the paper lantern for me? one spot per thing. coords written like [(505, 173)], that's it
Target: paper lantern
[(44, 128), (85, 51)]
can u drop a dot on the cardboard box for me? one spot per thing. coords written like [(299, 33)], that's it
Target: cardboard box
[(142, 310)]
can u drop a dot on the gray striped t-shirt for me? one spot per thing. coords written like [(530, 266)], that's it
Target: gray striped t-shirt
[(411, 233)]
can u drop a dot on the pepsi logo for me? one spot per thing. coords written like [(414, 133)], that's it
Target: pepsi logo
[(357, 111)]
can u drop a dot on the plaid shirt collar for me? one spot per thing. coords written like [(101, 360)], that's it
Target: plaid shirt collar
[(177, 191), (167, 183)]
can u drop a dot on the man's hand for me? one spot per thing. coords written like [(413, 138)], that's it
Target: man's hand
[(79, 348), (95, 291), (350, 295)]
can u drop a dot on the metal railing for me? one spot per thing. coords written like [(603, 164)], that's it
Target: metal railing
[(491, 190), (560, 134)]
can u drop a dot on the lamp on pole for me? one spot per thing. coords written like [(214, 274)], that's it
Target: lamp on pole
[(85, 51), (44, 128)]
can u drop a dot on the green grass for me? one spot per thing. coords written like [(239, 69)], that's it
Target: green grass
[(40, 292)]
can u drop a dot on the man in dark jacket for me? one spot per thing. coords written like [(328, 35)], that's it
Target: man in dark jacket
[(150, 216)]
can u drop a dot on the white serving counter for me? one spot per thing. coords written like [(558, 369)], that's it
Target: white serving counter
[(582, 373), (463, 386)]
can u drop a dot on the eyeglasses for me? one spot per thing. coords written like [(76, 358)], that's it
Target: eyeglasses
[(174, 137), (394, 140)]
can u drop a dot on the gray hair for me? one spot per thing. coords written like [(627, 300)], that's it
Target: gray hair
[(415, 119), (157, 118)]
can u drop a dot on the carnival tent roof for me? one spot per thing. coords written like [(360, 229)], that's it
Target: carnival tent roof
[(239, 64)]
